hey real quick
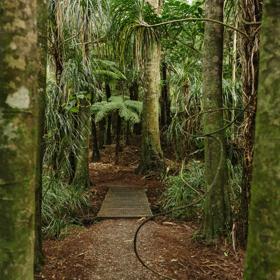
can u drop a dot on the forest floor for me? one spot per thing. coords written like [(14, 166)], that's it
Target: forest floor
[(104, 249)]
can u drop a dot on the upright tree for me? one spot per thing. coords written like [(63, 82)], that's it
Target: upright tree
[(42, 17), (151, 153), (263, 249), (217, 209), (250, 13), (20, 122), (81, 177)]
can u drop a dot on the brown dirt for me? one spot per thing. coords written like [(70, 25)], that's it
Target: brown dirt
[(105, 249)]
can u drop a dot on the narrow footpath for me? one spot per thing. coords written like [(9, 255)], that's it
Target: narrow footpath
[(103, 249)]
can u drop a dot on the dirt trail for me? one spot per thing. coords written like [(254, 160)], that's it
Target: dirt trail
[(105, 249)]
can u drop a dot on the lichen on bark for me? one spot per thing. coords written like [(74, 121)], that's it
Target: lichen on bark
[(18, 145), (263, 249), (151, 152)]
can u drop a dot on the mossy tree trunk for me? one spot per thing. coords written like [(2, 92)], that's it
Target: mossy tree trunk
[(43, 48), (263, 249), (251, 11), (216, 209), (20, 112), (81, 177), (151, 153)]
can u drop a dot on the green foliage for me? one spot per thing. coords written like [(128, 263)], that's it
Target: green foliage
[(62, 136), (235, 183), (61, 206), (128, 110), (184, 189)]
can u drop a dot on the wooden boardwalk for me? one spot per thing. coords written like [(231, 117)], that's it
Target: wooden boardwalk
[(125, 202)]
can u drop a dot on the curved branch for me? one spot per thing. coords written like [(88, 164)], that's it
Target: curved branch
[(194, 19)]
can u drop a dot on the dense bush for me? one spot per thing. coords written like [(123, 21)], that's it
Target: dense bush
[(61, 206), (183, 189), (186, 188)]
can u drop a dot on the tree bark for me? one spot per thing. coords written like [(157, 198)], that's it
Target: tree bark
[(134, 95), (109, 119), (81, 178), (217, 208), (263, 250), (42, 75), (249, 53), (165, 101), (151, 153), (118, 138), (20, 113), (95, 148)]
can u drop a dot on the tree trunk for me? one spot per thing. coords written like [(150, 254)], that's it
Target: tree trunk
[(101, 133), (109, 119), (151, 153), (134, 91), (134, 95), (165, 101), (20, 111), (263, 250), (95, 148), (43, 48), (217, 208), (81, 178), (249, 53), (118, 138)]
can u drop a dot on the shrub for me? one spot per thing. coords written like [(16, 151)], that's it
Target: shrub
[(61, 206), (185, 189)]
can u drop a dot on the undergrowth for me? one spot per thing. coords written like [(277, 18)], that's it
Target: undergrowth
[(183, 189), (186, 188), (62, 205)]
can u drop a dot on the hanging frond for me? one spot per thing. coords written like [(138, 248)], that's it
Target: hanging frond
[(128, 110)]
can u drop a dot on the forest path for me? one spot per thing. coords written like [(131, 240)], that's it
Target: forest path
[(104, 250), (125, 202)]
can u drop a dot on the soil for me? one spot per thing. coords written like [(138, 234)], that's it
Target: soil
[(104, 249)]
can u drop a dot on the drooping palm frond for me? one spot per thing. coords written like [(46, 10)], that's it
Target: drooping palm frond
[(131, 37), (62, 137)]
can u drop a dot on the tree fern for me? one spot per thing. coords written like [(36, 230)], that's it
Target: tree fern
[(128, 110)]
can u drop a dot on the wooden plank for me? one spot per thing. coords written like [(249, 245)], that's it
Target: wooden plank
[(125, 202)]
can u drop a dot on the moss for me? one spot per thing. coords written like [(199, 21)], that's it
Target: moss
[(18, 145), (151, 153), (263, 250)]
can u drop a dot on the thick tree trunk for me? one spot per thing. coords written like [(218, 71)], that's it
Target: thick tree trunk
[(263, 250), (151, 153), (81, 178), (249, 53), (19, 137), (43, 48), (217, 208)]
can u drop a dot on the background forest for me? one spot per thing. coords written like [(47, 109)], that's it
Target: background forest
[(176, 79)]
